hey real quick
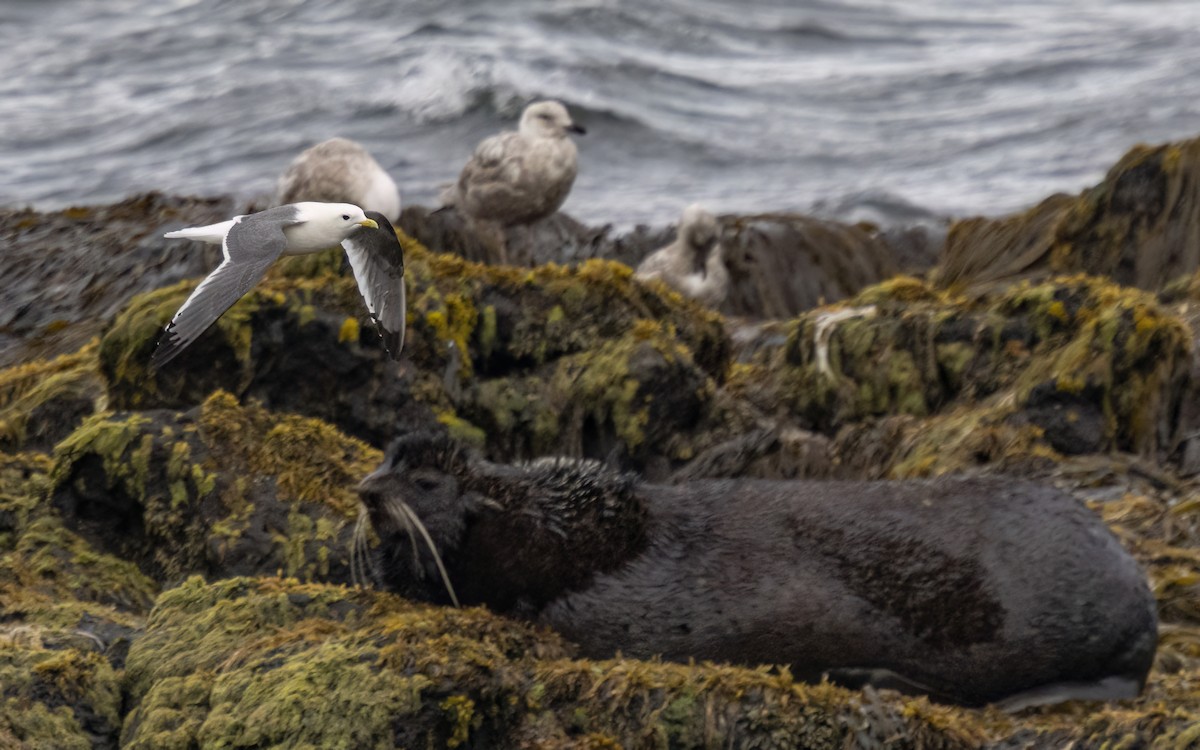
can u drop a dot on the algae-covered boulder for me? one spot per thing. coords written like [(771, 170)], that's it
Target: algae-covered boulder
[(303, 350), (1139, 227), (67, 616), (1031, 360), (222, 490), (55, 696), (46, 570), (549, 357), (42, 401), (275, 663)]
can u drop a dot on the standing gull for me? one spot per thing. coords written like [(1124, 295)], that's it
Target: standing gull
[(693, 264), (519, 178), (340, 171), (251, 243)]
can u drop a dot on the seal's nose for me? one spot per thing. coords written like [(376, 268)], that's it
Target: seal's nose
[(380, 472)]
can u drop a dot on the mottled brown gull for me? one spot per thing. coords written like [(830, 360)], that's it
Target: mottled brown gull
[(519, 178), (340, 171), (693, 264)]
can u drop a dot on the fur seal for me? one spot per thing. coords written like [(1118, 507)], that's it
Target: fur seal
[(969, 590)]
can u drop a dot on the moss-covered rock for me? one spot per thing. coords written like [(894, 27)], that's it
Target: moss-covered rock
[(42, 401), (273, 663), (68, 614), (1138, 227), (54, 696), (277, 663), (582, 357), (1028, 360), (223, 490), (49, 575)]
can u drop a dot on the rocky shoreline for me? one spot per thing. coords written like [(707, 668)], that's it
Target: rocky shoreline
[(175, 544)]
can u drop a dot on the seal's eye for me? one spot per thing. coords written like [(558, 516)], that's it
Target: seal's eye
[(345, 217), (426, 484)]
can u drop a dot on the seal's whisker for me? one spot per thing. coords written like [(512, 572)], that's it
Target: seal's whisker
[(437, 558), (354, 579), (358, 549), (401, 519)]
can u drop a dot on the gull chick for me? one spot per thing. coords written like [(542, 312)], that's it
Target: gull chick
[(519, 178), (693, 264), (340, 170), (251, 243)]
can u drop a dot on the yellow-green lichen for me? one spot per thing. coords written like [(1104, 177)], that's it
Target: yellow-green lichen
[(24, 388), (264, 662)]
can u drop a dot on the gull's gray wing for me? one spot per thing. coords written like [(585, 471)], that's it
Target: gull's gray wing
[(251, 245), (378, 263)]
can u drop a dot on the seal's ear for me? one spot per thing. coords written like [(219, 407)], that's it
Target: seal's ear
[(476, 503)]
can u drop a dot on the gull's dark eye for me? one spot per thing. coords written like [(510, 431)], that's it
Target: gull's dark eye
[(345, 217)]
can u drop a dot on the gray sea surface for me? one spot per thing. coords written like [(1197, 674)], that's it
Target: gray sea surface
[(850, 108)]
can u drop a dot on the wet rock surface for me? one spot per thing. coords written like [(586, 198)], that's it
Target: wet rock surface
[(1057, 345), (69, 271)]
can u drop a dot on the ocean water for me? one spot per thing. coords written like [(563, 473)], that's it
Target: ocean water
[(850, 108)]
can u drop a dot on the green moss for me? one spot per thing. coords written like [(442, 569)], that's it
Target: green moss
[(643, 390), (938, 352), (47, 559), (311, 666), (957, 441), (109, 438), (60, 698), (310, 460), (27, 388), (487, 331), (196, 485), (462, 430)]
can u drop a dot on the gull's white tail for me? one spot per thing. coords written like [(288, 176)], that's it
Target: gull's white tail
[(213, 234)]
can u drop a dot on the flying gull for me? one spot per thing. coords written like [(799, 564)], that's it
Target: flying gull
[(519, 178), (693, 264), (340, 171), (251, 243)]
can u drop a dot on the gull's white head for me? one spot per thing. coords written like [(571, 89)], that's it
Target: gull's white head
[(335, 216), (323, 225), (548, 119)]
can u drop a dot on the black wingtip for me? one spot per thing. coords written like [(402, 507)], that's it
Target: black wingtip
[(393, 342), (167, 349)]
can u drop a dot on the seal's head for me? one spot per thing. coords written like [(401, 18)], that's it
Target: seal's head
[(514, 537)]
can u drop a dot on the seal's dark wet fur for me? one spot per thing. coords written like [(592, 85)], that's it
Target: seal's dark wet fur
[(972, 590), (538, 530)]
